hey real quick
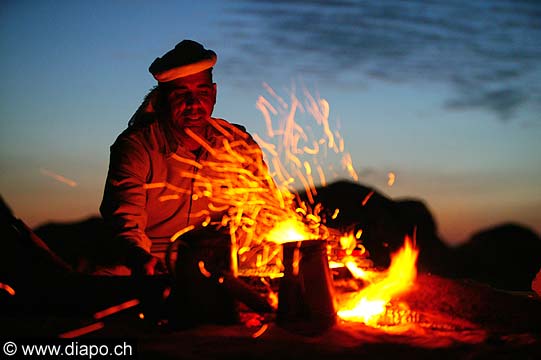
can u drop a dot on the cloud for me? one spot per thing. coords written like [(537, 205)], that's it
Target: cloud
[(503, 102), (487, 50)]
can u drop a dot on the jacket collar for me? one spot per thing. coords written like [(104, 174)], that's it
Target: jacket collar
[(174, 145)]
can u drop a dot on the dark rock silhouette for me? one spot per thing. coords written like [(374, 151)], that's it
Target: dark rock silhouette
[(506, 256), (384, 223), (42, 283), (24, 256), (85, 244)]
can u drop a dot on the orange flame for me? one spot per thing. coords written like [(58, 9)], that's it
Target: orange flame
[(371, 302), (348, 242), (288, 231)]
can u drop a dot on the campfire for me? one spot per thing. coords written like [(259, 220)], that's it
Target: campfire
[(265, 212)]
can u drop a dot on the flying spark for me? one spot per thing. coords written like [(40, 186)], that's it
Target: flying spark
[(58, 177)]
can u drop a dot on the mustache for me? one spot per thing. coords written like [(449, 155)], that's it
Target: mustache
[(192, 112)]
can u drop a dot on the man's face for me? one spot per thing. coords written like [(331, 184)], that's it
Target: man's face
[(191, 100)]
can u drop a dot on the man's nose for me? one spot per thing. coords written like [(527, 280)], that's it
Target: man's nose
[(192, 100)]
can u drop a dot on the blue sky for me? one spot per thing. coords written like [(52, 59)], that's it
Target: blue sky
[(447, 96)]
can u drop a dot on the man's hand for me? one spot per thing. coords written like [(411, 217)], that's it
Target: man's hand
[(142, 262), (154, 266)]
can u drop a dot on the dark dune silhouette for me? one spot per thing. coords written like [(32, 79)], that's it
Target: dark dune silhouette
[(44, 283), (84, 244), (384, 223), (506, 256), (24, 256)]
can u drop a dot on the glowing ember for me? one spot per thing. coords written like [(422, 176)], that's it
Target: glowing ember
[(367, 197), (182, 232), (392, 177), (203, 270), (7, 288), (115, 309), (82, 331), (370, 303), (272, 296), (260, 332)]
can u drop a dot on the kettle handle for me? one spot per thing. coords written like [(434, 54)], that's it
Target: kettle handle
[(175, 245)]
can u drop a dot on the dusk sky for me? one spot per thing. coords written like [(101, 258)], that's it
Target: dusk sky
[(444, 94)]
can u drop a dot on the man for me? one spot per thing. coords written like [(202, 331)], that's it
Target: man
[(164, 168)]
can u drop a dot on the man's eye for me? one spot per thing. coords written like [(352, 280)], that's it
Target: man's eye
[(178, 95)]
